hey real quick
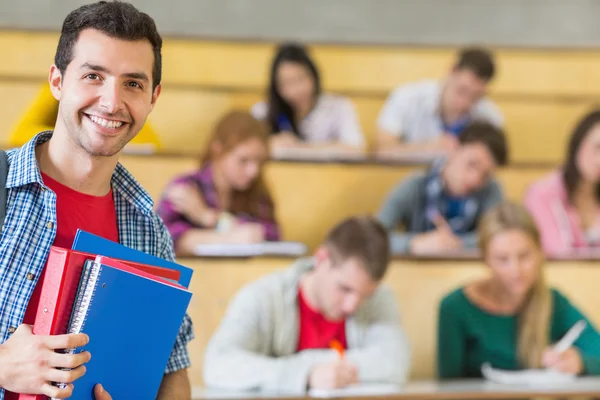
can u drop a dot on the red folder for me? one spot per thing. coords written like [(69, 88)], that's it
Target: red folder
[(59, 287)]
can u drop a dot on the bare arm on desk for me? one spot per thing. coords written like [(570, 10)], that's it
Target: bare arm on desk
[(175, 386)]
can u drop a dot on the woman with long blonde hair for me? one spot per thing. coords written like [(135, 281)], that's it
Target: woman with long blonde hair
[(511, 318)]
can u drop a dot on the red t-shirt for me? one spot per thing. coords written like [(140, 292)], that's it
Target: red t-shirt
[(74, 210), (316, 332)]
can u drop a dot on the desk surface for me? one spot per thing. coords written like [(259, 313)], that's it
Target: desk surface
[(431, 390)]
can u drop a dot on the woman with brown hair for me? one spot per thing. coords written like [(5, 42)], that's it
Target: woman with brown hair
[(511, 318), (225, 200)]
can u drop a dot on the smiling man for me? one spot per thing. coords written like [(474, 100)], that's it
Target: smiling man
[(106, 77), (277, 333)]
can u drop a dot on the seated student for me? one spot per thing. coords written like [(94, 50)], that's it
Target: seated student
[(427, 116), (226, 200), (439, 209), (299, 114), (277, 331), (566, 203), (512, 318)]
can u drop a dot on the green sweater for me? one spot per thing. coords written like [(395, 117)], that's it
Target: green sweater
[(469, 336)]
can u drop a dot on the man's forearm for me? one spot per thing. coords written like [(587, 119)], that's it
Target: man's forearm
[(175, 386)]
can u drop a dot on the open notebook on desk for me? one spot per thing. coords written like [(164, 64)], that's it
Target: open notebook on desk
[(291, 249), (360, 390), (308, 154), (527, 377)]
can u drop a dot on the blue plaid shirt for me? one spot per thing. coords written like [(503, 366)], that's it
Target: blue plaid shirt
[(30, 227)]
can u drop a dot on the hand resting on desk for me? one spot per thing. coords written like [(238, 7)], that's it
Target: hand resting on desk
[(333, 375), (569, 361)]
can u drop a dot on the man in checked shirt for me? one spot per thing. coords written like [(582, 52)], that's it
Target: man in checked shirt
[(106, 77)]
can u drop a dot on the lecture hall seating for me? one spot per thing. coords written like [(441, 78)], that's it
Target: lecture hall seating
[(542, 93)]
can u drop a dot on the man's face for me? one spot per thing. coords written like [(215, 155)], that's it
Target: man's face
[(105, 93), (342, 287), (468, 168), (463, 89)]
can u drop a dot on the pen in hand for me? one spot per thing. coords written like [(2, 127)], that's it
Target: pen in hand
[(570, 337), (337, 346)]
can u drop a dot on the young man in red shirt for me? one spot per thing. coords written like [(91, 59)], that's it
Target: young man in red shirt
[(278, 332)]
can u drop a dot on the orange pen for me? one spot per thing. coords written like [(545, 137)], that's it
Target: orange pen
[(337, 346)]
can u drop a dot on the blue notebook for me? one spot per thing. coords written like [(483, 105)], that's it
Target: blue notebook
[(132, 321), (90, 243)]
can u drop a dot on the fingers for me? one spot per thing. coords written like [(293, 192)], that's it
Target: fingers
[(56, 392), (440, 223), (100, 393), (59, 360), (65, 376), (56, 342), (349, 375), (550, 358), (24, 329)]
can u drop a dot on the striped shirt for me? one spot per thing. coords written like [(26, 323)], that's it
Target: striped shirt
[(332, 120), (30, 228), (178, 224)]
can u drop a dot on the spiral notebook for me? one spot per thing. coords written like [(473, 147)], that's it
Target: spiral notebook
[(132, 318)]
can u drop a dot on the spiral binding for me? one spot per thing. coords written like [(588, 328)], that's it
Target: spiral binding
[(84, 298)]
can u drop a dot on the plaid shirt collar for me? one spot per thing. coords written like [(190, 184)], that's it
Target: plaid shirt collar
[(25, 170), (437, 201)]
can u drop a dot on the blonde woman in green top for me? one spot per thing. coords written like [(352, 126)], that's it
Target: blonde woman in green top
[(512, 318)]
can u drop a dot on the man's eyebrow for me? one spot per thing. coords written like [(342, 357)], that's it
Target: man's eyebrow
[(133, 75), (94, 67), (137, 75)]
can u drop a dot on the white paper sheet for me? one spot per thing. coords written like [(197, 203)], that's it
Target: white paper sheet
[(529, 377), (308, 154), (293, 249), (356, 390)]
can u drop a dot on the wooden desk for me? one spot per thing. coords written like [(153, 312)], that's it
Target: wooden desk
[(431, 390), (413, 281)]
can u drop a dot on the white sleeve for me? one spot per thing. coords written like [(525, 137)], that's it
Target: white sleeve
[(348, 130), (487, 111), (392, 116), (260, 111)]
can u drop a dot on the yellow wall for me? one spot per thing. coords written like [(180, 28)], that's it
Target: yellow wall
[(418, 288), (542, 92)]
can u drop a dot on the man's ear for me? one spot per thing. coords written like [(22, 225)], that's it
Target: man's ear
[(155, 93), (322, 257), (55, 80)]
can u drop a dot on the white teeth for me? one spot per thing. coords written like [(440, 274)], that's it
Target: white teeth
[(106, 123)]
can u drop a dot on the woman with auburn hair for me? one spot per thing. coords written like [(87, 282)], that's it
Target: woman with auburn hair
[(511, 318), (225, 200)]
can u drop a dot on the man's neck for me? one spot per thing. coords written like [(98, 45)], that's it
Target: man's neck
[(65, 162), (447, 116), (308, 287)]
